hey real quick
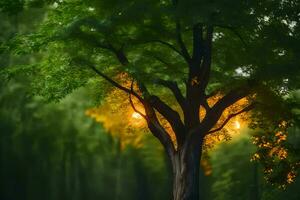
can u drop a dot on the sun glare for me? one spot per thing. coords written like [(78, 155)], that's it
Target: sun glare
[(237, 124), (136, 115)]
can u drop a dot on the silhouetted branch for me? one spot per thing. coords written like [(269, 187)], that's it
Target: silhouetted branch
[(214, 113), (206, 64), (132, 104), (197, 43), (184, 51), (111, 81), (246, 109), (175, 90)]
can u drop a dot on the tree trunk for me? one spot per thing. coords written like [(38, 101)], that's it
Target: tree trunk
[(186, 166)]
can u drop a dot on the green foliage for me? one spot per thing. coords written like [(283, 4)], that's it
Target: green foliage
[(11, 6), (255, 40), (278, 153), (53, 151), (234, 177)]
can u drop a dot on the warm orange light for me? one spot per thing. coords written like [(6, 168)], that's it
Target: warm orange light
[(136, 115), (237, 125)]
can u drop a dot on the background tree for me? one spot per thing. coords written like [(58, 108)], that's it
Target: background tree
[(53, 151), (239, 49), (230, 182)]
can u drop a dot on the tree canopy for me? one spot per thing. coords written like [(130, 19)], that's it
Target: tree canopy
[(237, 50)]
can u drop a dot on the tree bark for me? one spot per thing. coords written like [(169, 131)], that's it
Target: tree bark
[(186, 167)]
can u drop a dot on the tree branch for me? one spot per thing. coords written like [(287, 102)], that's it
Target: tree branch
[(157, 129), (132, 104), (111, 81), (246, 109), (184, 51), (175, 90), (120, 56), (231, 97), (214, 113), (204, 103), (167, 112), (162, 135), (181, 44), (153, 124), (197, 43), (151, 118), (206, 64)]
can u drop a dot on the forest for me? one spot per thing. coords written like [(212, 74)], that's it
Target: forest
[(149, 100)]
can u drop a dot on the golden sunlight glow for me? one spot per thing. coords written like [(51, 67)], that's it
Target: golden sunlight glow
[(119, 118), (237, 124), (136, 115), (136, 120)]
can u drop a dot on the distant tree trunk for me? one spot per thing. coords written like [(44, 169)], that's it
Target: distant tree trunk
[(118, 172), (63, 181), (83, 180), (141, 178), (255, 189), (186, 168)]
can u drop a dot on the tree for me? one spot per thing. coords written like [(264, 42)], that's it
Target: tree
[(53, 151), (231, 182), (237, 49)]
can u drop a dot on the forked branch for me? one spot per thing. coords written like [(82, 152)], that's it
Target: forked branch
[(172, 85), (151, 118), (214, 113), (246, 109)]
